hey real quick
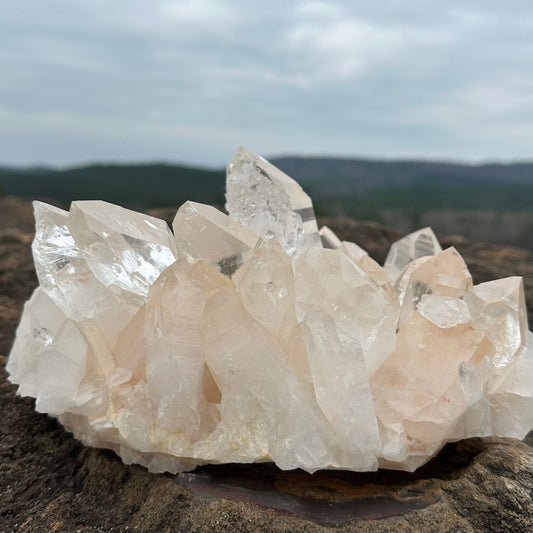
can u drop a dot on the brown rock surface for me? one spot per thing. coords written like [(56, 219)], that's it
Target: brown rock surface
[(50, 482)]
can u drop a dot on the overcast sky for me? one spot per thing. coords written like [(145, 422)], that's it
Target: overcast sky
[(189, 81)]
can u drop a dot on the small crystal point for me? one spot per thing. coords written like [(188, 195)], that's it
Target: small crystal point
[(444, 311), (328, 238), (59, 263), (264, 199), (417, 244), (49, 356), (403, 281), (499, 308), (373, 269), (444, 274), (266, 285), (203, 232)]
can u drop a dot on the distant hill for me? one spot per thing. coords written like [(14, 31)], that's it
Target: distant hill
[(355, 187), (137, 186), (370, 173), (491, 202)]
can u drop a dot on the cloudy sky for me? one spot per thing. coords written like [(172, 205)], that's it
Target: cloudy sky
[(137, 80)]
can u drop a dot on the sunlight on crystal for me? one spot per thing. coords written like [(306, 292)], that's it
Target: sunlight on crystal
[(256, 337)]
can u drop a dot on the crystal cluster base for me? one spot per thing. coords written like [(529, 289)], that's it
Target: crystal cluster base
[(256, 337)]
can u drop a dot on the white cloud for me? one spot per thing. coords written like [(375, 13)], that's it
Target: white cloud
[(498, 99), (199, 12), (341, 47)]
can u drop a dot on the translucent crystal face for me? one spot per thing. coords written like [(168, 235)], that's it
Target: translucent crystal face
[(328, 280), (254, 337), (421, 243), (264, 199), (124, 249), (444, 274), (203, 232)]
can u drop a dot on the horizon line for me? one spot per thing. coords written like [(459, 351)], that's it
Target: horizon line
[(217, 168)]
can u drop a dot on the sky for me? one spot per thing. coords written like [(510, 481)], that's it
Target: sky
[(189, 81)]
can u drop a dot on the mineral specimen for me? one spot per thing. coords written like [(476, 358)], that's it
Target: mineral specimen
[(254, 337)]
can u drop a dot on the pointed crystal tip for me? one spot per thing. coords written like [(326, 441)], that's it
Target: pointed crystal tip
[(270, 203)]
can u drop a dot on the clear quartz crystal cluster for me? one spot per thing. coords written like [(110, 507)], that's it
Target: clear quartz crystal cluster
[(256, 337)]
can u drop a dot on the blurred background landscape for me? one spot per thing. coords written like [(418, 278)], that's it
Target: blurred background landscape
[(490, 203)]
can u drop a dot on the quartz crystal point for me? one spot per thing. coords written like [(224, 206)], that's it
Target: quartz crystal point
[(328, 280), (444, 274), (123, 248), (51, 356), (255, 337), (413, 246), (361, 258), (328, 238), (264, 199), (203, 232)]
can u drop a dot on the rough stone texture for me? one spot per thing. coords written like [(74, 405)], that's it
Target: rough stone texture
[(50, 482)]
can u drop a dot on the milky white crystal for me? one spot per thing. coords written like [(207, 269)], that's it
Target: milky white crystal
[(254, 337)]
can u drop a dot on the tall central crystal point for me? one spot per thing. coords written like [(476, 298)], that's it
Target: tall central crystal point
[(255, 337)]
